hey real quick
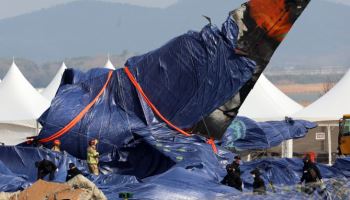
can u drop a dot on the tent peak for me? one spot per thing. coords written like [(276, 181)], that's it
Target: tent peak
[(109, 64), (50, 91), (331, 106), (64, 66), (14, 71), (20, 100), (276, 104), (13, 63)]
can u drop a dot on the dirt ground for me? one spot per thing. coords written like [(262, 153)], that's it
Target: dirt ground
[(48, 190)]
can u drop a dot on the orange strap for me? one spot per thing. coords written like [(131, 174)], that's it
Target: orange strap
[(155, 110), (71, 124), (150, 104), (212, 143)]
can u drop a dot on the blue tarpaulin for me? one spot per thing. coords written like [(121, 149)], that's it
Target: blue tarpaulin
[(11, 182), (246, 134), (187, 79), (196, 175), (193, 76), (188, 169)]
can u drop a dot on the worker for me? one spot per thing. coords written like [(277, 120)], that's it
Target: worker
[(232, 178), (237, 159), (311, 175), (258, 184), (72, 172), (56, 146), (92, 157), (45, 167), (235, 164)]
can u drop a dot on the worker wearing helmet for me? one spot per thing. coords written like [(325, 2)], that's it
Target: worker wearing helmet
[(56, 146), (92, 157), (311, 175)]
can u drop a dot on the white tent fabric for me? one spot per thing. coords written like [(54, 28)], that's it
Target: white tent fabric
[(19, 100), (109, 65), (50, 91), (20, 106), (13, 134), (331, 106), (266, 102)]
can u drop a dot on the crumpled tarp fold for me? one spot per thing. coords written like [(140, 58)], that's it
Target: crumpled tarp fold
[(195, 176), (247, 134)]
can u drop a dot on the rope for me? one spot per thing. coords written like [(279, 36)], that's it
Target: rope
[(150, 104), (156, 111), (71, 124), (212, 143)]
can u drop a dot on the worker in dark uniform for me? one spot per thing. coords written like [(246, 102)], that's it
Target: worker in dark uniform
[(45, 167), (311, 175), (258, 184), (72, 172), (235, 164), (232, 178)]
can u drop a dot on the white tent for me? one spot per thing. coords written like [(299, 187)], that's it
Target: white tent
[(330, 106), (266, 102), (109, 65), (20, 106), (50, 91)]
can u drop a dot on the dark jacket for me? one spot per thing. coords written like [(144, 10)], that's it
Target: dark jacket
[(311, 173), (46, 166), (233, 179), (259, 186), (71, 173), (235, 166)]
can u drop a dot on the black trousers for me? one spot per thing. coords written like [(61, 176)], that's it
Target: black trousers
[(43, 173)]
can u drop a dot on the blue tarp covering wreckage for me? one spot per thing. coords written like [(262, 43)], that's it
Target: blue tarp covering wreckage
[(246, 134), (196, 174), (191, 61), (196, 80)]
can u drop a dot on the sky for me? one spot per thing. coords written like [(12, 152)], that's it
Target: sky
[(346, 2), (149, 3), (11, 8)]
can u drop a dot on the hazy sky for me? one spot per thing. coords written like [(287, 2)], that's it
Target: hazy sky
[(347, 2), (152, 3), (10, 8)]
